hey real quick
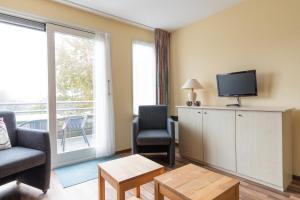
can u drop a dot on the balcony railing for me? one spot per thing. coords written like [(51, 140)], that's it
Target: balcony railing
[(35, 115), (14, 105)]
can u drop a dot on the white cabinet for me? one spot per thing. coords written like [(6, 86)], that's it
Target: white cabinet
[(190, 133), (259, 145), (251, 142), (219, 138)]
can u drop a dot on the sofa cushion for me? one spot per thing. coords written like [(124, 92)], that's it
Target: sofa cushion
[(17, 159), (153, 137), (4, 138), (10, 123)]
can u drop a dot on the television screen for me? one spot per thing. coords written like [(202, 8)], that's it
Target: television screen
[(237, 84)]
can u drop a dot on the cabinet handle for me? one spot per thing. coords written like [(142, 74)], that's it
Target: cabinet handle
[(205, 113), (240, 115), (199, 112)]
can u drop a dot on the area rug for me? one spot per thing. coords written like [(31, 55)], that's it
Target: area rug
[(81, 172)]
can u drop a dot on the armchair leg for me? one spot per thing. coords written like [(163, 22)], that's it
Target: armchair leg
[(171, 155), (134, 148)]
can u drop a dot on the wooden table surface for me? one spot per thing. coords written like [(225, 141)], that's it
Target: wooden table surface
[(193, 182), (124, 169)]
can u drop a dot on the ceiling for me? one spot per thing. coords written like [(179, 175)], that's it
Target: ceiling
[(165, 14)]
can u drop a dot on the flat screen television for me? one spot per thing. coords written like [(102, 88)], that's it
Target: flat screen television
[(237, 84)]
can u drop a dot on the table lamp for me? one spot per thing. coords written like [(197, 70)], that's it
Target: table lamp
[(192, 84)]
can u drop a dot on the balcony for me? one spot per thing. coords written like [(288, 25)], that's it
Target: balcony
[(74, 123)]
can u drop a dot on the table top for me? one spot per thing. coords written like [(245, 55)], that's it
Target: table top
[(193, 182), (130, 167)]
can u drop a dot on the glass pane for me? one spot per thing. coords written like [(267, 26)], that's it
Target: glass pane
[(23, 82), (144, 81), (74, 92)]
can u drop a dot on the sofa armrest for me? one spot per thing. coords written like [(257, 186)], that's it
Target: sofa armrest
[(134, 134), (171, 127), (34, 139)]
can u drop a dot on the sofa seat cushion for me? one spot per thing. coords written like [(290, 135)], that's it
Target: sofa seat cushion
[(153, 137), (18, 159)]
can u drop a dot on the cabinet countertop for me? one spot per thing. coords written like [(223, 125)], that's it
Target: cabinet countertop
[(242, 108)]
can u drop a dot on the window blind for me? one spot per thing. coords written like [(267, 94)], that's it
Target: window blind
[(22, 22)]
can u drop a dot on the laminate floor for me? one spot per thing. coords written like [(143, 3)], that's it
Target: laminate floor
[(89, 190)]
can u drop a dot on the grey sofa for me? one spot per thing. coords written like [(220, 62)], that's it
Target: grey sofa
[(28, 161), (153, 131)]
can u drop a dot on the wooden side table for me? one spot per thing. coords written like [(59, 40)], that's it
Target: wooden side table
[(191, 182), (127, 173)]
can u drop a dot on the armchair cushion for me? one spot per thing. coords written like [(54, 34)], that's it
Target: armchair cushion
[(153, 137), (18, 159), (153, 117)]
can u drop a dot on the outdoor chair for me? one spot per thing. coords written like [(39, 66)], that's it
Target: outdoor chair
[(72, 124)]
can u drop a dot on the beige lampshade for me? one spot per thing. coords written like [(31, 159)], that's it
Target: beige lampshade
[(192, 84)]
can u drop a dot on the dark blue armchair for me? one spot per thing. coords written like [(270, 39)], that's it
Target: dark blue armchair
[(153, 131), (29, 159)]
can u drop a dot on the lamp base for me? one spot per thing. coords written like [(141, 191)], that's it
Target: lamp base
[(197, 103), (192, 96)]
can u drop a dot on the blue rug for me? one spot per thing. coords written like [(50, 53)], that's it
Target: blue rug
[(80, 172)]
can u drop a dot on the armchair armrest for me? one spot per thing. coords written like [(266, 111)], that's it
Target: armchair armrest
[(171, 127), (134, 134), (34, 139), (135, 126), (39, 140)]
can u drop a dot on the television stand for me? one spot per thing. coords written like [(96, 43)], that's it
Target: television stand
[(238, 104)]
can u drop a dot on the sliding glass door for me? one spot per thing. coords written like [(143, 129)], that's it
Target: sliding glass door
[(62, 97), (71, 92)]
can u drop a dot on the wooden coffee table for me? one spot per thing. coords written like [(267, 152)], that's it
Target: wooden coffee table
[(191, 182), (127, 173)]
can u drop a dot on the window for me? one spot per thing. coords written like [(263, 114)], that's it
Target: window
[(144, 74), (23, 66)]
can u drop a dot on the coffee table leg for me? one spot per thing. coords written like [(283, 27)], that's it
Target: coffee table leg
[(138, 191), (120, 194), (158, 195), (101, 187), (237, 193)]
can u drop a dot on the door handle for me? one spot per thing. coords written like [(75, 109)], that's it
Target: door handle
[(240, 115)]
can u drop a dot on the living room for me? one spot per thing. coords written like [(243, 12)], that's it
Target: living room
[(112, 100)]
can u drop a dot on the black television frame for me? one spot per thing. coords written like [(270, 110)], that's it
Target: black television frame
[(237, 95)]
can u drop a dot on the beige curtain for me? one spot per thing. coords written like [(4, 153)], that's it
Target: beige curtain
[(162, 50)]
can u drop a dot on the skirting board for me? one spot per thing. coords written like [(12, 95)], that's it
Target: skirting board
[(246, 178), (124, 151), (296, 178)]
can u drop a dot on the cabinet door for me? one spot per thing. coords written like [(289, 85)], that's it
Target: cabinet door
[(259, 145), (219, 138), (190, 133)]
